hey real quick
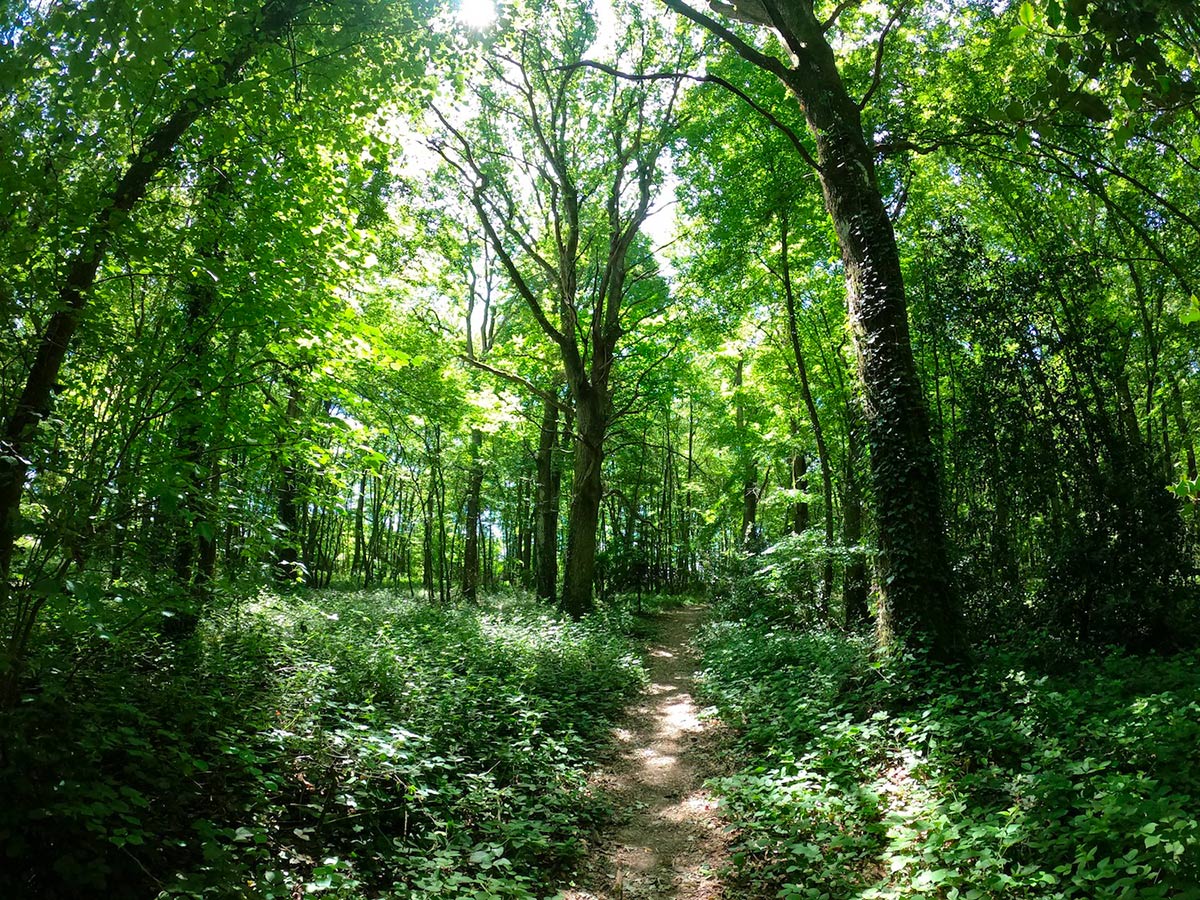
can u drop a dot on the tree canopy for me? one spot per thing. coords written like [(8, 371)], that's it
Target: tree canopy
[(876, 319)]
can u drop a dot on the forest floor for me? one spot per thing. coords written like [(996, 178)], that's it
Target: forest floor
[(667, 841)]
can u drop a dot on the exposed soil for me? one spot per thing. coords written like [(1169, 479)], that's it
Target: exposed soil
[(668, 842)]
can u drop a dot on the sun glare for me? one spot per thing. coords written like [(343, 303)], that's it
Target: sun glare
[(476, 13)]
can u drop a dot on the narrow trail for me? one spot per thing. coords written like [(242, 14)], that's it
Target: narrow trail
[(667, 843)]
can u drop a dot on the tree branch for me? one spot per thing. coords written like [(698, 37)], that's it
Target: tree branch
[(480, 182), (877, 72), (837, 12), (750, 54), (772, 120), (542, 394)]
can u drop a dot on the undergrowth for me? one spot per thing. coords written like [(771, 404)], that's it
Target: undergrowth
[(868, 779), (347, 745)]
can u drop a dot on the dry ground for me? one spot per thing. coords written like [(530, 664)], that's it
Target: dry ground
[(667, 842)]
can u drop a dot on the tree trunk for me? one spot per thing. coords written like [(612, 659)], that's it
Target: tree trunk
[(687, 557), (470, 578), (1185, 432), (528, 526), (918, 601), (289, 556), (373, 562), (427, 541), (444, 550), (580, 568), (209, 505), (750, 511), (855, 584), (749, 473), (810, 407), (358, 562), (798, 515)]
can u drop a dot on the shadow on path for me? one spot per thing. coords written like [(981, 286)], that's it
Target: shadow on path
[(668, 843)]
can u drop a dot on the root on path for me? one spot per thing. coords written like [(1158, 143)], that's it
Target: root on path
[(668, 843)]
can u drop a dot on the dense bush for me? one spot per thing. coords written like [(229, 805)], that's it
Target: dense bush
[(892, 778), (352, 745)]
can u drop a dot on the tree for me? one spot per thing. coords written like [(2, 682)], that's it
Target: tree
[(564, 219), (105, 106), (479, 292), (918, 599), (246, 36)]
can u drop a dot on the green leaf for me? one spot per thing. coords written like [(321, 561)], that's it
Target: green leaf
[(1133, 95), (1092, 107), (1191, 315), (1027, 14)]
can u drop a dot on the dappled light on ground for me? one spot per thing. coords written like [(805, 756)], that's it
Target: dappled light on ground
[(909, 780), (668, 844)]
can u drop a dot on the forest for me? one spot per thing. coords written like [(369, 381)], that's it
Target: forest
[(600, 449)]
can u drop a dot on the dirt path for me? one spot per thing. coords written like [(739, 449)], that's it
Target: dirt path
[(667, 843)]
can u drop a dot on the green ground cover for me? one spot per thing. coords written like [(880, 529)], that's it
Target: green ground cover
[(345, 745), (877, 779)]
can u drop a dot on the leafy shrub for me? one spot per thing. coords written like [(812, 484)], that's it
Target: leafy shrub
[(781, 583), (351, 745), (897, 779)]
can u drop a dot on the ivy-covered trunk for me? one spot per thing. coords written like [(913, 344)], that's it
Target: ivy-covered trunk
[(917, 598)]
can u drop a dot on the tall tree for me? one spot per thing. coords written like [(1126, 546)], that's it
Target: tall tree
[(107, 105), (481, 316), (918, 601), (245, 36), (563, 219)]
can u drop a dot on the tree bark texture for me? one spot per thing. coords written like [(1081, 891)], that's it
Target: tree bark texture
[(586, 492), (918, 599)]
